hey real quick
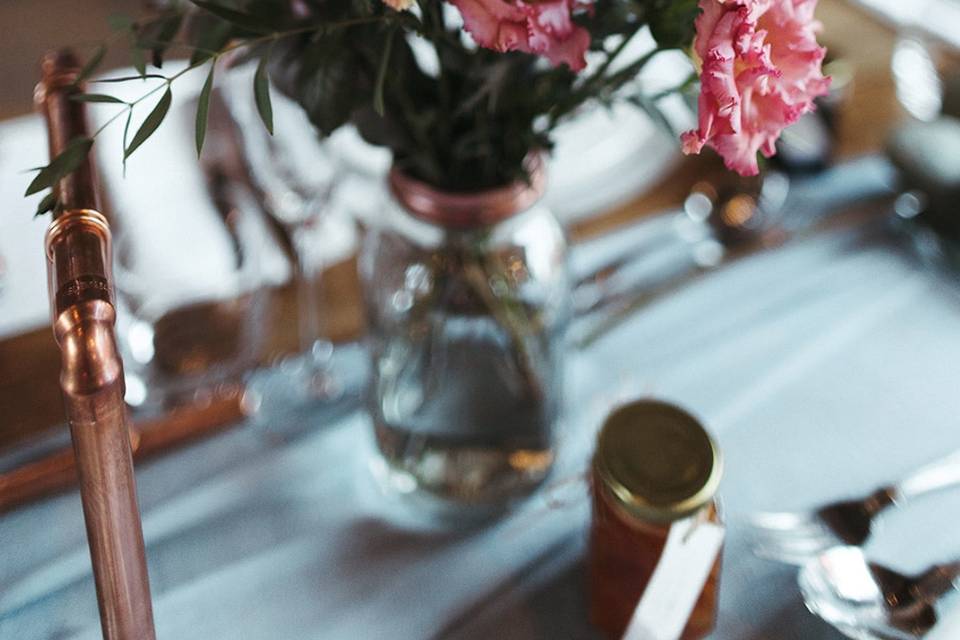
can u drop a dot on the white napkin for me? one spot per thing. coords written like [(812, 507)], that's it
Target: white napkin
[(174, 240), (23, 292), (948, 628)]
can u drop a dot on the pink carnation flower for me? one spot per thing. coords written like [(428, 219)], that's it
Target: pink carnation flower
[(399, 5), (542, 27), (761, 70)]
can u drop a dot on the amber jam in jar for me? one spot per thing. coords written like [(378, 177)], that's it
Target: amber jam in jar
[(654, 465)]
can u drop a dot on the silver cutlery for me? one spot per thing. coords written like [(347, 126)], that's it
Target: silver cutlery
[(794, 537), (736, 224), (867, 601)]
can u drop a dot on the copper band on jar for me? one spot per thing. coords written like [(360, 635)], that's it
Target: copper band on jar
[(456, 210)]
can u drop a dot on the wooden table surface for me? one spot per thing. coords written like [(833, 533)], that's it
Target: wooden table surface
[(30, 362)]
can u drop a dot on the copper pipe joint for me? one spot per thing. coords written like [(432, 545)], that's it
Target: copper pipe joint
[(81, 303), (91, 362), (78, 246), (458, 210)]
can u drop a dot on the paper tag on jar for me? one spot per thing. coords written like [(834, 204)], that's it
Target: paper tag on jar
[(675, 586)]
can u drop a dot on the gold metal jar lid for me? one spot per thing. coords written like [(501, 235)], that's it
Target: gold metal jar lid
[(657, 461)]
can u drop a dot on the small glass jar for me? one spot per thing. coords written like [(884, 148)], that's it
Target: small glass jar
[(467, 299), (654, 465)]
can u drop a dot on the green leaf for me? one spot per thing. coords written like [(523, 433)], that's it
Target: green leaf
[(237, 18), (158, 35), (208, 36), (129, 78), (47, 204), (378, 105), (261, 93), (126, 131), (673, 25), (95, 97), (119, 21), (150, 124), (326, 84), (91, 64), (203, 107), (138, 60), (64, 164)]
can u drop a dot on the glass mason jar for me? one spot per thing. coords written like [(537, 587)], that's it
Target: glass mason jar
[(655, 466), (467, 299)]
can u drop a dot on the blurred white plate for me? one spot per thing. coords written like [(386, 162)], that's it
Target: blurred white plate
[(937, 18), (604, 158)]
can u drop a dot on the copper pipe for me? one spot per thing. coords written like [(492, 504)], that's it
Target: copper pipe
[(91, 379), (66, 120)]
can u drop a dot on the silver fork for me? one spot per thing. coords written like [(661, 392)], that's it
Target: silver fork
[(794, 537)]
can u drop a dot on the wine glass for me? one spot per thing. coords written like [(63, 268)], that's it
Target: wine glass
[(294, 176), (925, 57), (189, 323)]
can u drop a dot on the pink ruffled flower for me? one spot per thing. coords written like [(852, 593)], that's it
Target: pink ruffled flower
[(399, 5), (541, 27), (761, 70)]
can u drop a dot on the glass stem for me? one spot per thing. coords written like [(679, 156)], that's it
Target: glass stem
[(309, 281)]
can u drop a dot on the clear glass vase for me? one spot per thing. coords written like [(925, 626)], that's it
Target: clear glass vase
[(467, 299)]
